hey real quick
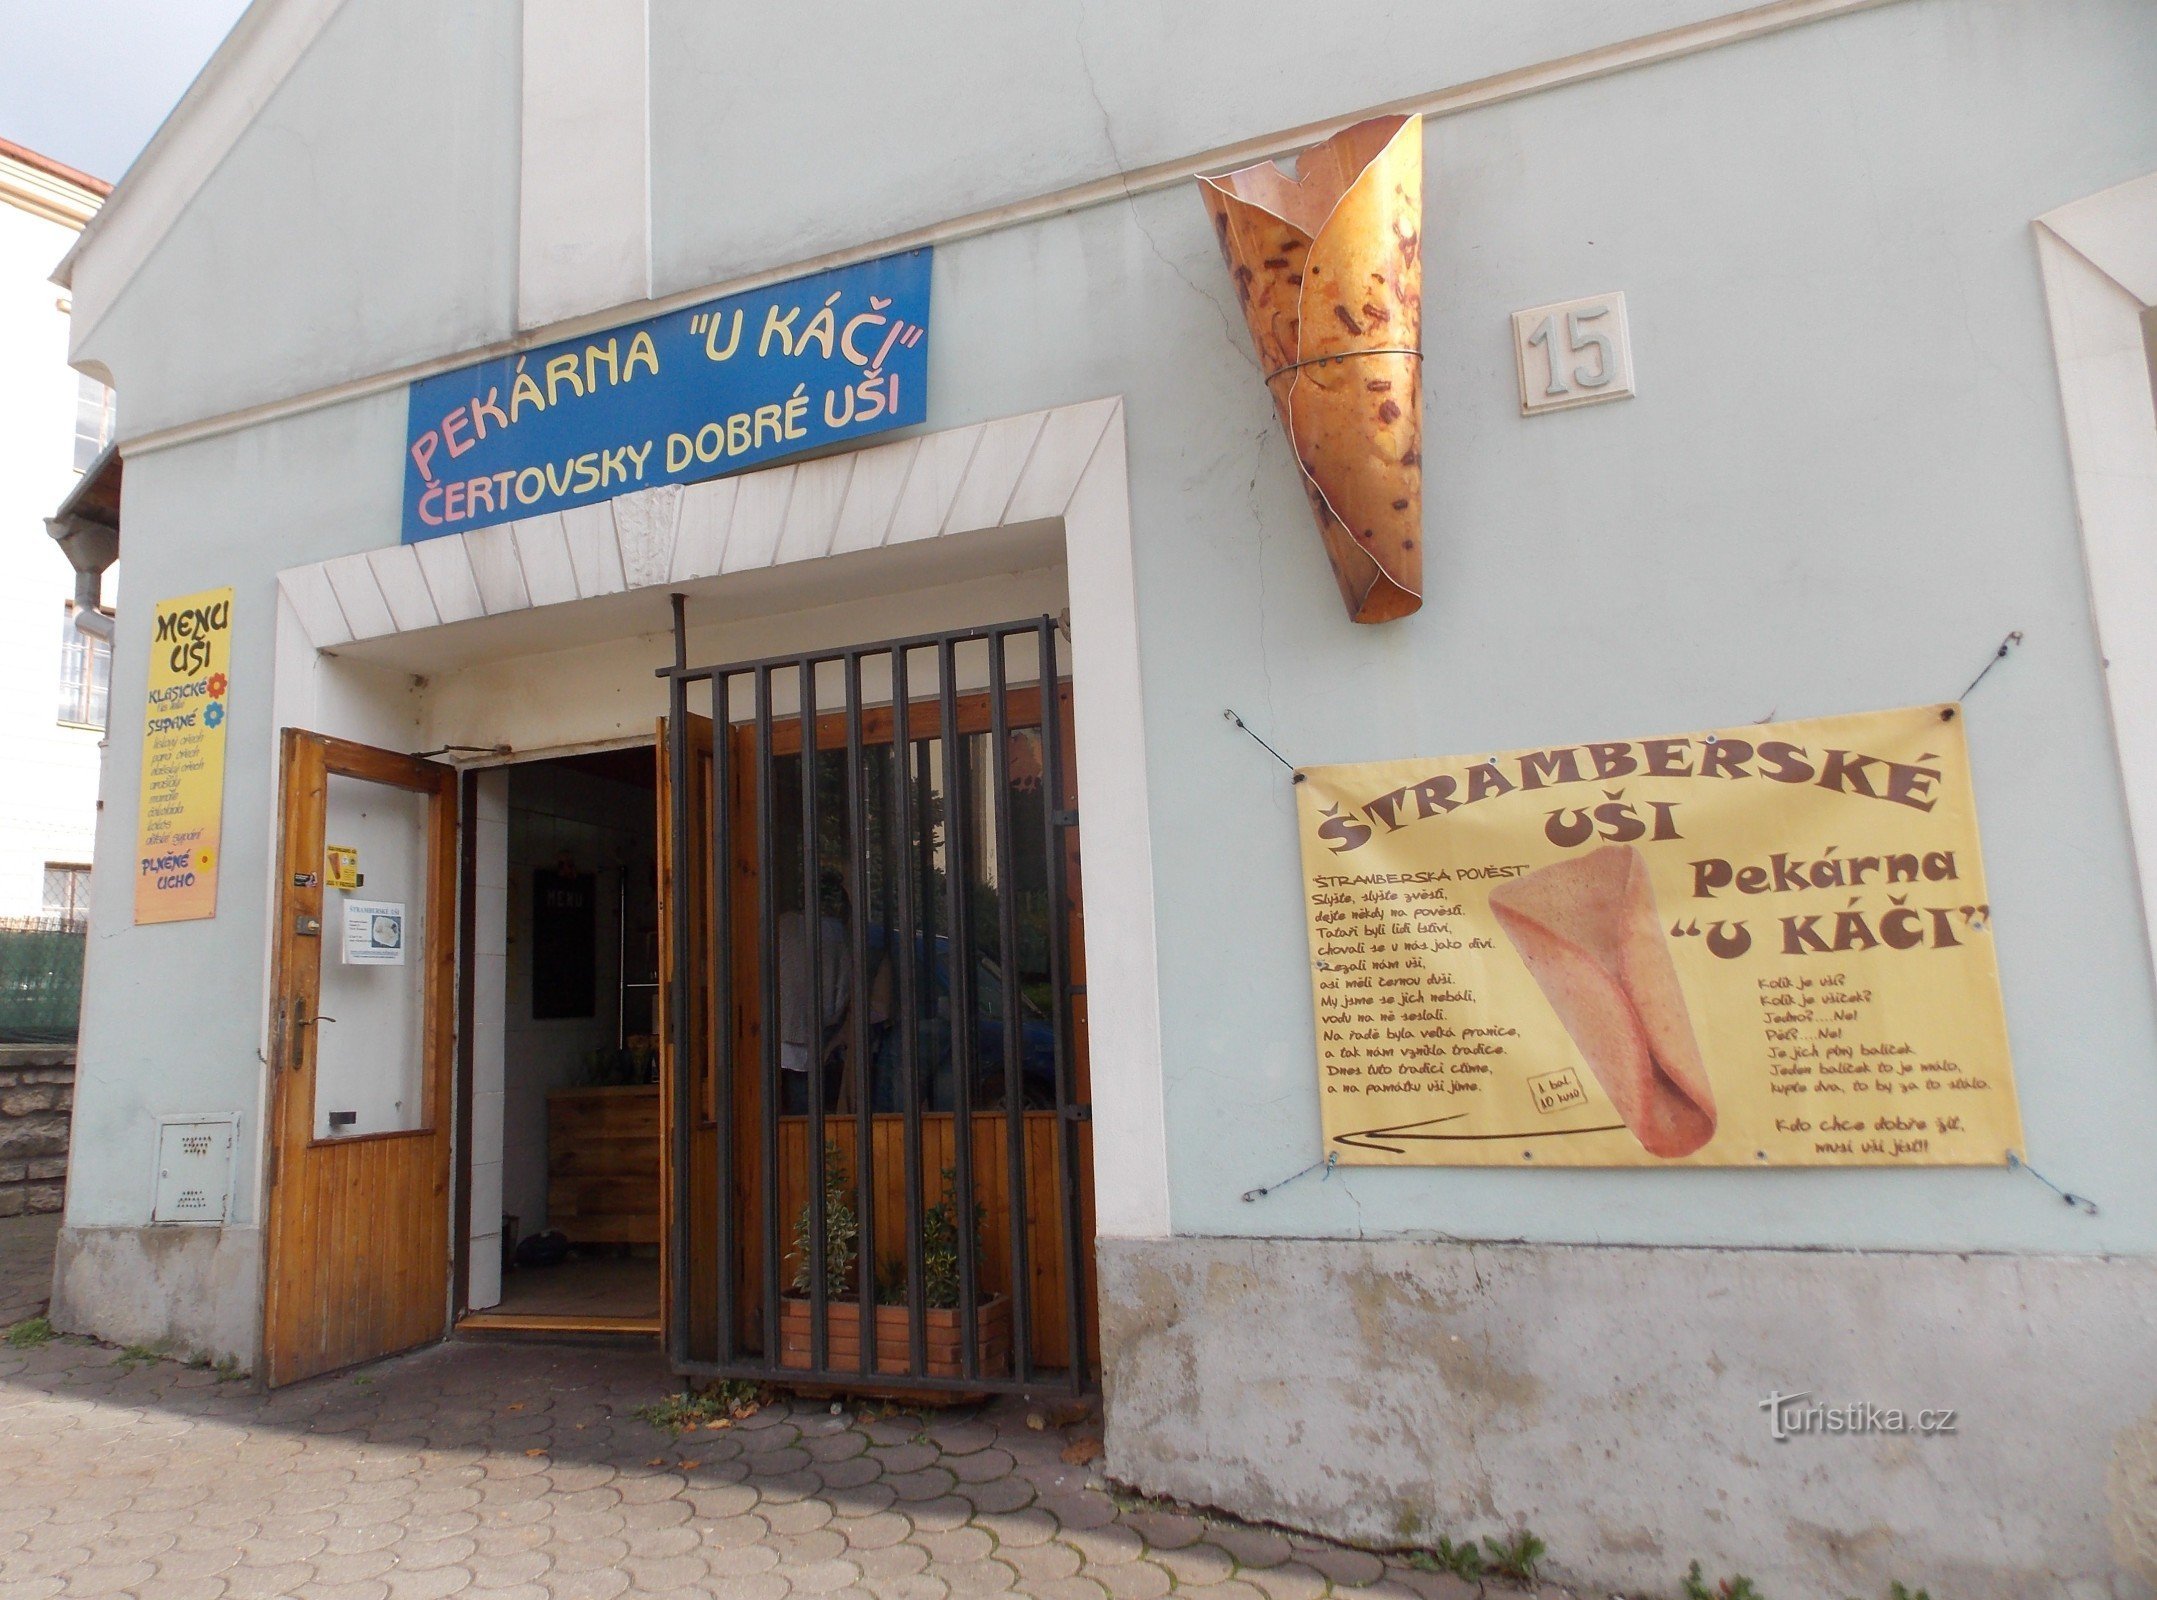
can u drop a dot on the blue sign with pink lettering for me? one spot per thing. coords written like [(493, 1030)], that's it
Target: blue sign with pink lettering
[(697, 393)]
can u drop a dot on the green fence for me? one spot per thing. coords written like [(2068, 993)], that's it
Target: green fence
[(40, 979)]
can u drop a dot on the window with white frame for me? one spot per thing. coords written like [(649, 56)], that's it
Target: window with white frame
[(67, 892), (85, 674), (93, 421)]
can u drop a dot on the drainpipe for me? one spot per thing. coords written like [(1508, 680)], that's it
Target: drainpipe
[(90, 615), (90, 543), (90, 547)]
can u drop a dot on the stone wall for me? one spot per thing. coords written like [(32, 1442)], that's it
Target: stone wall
[(1388, 1392), (37, 1093)]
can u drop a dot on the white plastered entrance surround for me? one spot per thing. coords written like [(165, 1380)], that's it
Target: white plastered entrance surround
[(2099, 256), (948, 505)]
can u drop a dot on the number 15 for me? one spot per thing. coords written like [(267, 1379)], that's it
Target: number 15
[(1586, 353), (1581, 339)]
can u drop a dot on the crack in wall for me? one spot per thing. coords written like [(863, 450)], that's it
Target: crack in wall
[(1229, 331)]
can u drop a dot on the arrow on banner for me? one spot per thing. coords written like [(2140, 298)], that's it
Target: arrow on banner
[(1367, 1138)]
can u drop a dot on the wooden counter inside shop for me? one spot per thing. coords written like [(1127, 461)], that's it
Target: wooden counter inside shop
[(603, 1164)]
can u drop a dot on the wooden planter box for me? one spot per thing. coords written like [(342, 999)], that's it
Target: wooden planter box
[(842, 1337)]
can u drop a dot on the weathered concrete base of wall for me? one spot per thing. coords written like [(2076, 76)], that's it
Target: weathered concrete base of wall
[(37, 1095), (1611, 1399), (193, 1291)]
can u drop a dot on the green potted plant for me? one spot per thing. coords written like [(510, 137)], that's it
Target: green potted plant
[(842, 1290), (842, 1231)]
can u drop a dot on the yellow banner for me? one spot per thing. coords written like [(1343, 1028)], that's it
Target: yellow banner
[(183, 758), (1765, 947)]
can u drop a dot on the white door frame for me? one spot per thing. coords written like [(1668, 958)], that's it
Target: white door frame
[(2099, 257), (1065, 465)]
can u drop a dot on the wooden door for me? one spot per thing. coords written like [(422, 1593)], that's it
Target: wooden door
[(689, 1189), (361, 1044)]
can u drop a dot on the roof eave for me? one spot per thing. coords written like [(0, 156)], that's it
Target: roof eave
[(87, 524), (48, 189)]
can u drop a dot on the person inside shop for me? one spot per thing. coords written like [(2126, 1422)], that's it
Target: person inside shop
[(816, 1021)]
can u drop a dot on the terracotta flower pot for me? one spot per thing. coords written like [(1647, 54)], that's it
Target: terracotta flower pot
[(842, 1337)]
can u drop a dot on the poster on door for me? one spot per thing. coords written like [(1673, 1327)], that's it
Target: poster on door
[(374, 933), (183, 758), (1765, 946)]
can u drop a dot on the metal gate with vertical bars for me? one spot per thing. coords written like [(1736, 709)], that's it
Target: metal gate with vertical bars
[(895, 881)]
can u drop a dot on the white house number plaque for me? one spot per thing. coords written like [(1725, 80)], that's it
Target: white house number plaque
[(1573, 353)]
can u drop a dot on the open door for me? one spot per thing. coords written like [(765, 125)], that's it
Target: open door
[(361, 1045), (687, 1281)]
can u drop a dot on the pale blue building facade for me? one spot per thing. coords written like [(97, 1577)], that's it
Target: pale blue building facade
[(1882, 262)]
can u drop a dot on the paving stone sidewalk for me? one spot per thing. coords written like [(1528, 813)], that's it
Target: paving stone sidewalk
[(520, 1471)]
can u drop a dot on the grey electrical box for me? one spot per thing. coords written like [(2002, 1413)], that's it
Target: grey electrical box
[(194, 1169)]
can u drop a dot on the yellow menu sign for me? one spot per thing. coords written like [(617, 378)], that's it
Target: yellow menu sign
[(1763, 947), (183, 758)]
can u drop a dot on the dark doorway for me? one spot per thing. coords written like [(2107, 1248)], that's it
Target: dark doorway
[(573, 1116)]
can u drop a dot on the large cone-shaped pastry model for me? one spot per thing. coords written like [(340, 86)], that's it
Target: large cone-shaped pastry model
[(1588, 930), (1328, 265)]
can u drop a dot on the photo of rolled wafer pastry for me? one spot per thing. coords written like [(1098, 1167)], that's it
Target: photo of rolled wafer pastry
[(1588, 930)]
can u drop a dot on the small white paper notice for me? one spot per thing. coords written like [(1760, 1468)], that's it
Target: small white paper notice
[(374, 933)]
